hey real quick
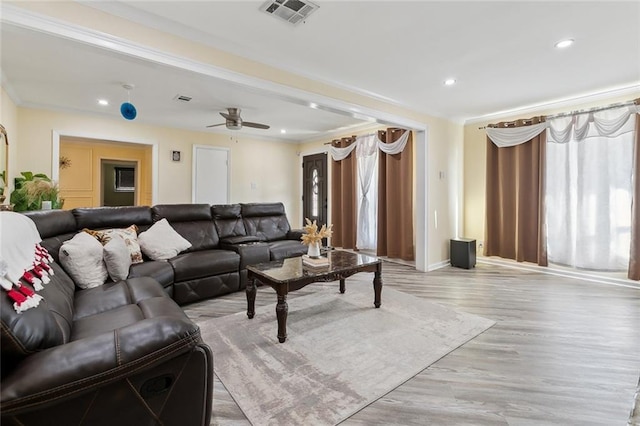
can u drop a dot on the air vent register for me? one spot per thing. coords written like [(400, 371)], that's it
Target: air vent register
[(292, 11)]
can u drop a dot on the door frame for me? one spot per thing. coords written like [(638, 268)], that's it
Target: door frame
[(55, 154), (301, 155), (326, 192)]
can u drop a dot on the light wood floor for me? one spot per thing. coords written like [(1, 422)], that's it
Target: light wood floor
[(563, 351)]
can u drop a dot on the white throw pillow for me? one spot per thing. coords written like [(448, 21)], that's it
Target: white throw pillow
[(117, 258), (161, 241), (81, 257)]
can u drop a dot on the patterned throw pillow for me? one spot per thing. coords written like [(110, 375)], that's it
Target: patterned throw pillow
[(129, 235)]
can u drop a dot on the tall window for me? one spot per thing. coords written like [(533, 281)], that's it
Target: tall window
[(314, 192), (589, 191)]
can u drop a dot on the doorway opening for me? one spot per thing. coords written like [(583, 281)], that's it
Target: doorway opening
[(118, 183)]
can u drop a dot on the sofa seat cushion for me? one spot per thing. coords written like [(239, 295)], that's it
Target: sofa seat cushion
[(112, 296), (286, 248), (110, 320), (205, 263)]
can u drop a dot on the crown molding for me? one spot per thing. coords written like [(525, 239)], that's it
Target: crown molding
[(568, 102)]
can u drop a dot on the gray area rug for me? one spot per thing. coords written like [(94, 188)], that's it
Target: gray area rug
[(341, 353)]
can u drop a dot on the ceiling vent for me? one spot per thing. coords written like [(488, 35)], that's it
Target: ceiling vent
[(292, 11), (182, 98)]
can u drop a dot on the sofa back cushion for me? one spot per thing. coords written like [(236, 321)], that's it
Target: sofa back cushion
[(228, 220), (55, 227), (267, 221), (193, 221), (113, 217)]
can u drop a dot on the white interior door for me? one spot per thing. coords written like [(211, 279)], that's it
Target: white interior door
[(210, 175)]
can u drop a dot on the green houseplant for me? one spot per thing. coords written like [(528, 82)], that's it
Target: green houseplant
[(32, 189)]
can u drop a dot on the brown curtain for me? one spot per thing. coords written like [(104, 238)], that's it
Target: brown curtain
[(634, 254), (395, 199), (344, 197), (514, 205)]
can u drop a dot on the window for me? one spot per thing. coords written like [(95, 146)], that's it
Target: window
[(314, 193), (125, 179)]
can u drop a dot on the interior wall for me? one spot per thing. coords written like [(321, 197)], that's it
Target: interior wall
[(475, 162), (268, 164)]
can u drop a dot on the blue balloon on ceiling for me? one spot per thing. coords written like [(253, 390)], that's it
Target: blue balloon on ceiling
[(128, 111)]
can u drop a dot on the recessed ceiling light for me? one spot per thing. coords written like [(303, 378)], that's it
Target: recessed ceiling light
[(103, 102), (283, 131), (564, 43), (450, 82)]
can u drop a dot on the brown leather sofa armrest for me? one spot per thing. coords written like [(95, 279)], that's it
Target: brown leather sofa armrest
[(295, 234), (66, 370), (240, 239)]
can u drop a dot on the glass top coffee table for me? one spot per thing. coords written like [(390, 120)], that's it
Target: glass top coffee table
[(291, 274)]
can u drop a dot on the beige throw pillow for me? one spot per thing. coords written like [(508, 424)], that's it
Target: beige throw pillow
[(161, 241), (117, 258), (81, 257), (129, 235)]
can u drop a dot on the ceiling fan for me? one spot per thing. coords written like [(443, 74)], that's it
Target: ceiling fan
[(235, 122)]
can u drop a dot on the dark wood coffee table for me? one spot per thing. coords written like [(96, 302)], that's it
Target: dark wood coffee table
[(290, 275)]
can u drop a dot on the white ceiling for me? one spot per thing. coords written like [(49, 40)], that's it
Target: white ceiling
[(501, 54)]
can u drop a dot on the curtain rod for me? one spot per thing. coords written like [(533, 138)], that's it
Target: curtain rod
[(395, 129), (596, 109), (582, 111)]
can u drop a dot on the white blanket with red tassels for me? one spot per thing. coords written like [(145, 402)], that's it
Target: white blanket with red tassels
[(24, 264)]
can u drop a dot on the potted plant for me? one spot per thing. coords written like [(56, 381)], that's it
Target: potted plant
[(32, 189)]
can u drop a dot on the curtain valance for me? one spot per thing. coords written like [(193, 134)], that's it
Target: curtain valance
[(396, 147), (577, 127)]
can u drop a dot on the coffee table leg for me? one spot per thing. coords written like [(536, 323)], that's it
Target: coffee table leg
[(281, 313), (342, 286), (251, 298), (377, 286)]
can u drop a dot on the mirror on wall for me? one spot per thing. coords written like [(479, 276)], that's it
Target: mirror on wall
[(4, 163)]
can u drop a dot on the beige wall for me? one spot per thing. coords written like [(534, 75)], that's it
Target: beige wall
[(475, 163), (268, 164)]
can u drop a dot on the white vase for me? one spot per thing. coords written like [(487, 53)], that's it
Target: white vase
[(314, 250)]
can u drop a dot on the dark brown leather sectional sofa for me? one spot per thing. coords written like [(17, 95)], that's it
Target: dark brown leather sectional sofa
[(224, 239), (124, 352)]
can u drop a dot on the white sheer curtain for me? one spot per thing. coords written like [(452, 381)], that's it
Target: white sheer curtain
[(589, 189), (367, 159)]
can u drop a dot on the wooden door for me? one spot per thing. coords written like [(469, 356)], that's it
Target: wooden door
[(314, 189)]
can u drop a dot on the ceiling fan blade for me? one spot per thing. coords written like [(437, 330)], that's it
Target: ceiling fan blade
[(216, 125), (254, 125), (226, 116)]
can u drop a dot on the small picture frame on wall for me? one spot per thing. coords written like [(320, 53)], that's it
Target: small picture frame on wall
[(175, 155)]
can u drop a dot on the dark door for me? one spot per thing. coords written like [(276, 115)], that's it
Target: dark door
[(314, 193)]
